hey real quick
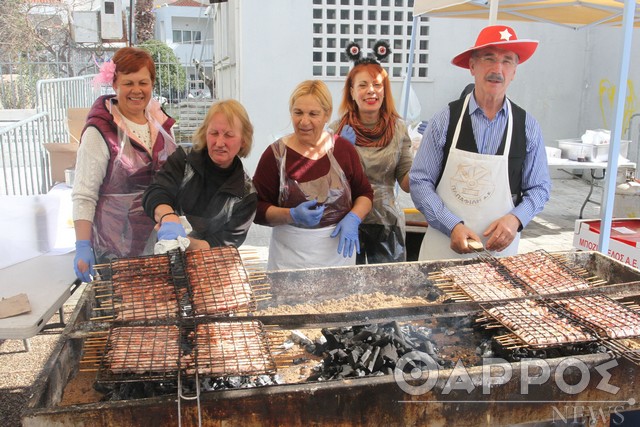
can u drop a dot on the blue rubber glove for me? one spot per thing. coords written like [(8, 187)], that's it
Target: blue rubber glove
[(422, 126), (304, 214), (84, 252), (171, 231), (349, 134), (348, 230)]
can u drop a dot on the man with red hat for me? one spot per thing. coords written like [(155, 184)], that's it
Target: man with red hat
[(481, 170)]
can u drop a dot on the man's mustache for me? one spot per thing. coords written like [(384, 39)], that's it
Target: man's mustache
[(495, 77)]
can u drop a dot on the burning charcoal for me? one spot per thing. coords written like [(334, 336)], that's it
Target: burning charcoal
[(364, 359), (346, 371), (319, 350), (263, 380), (363, 336), (311, 348), (382, 341), (354, 356), (300, 338), (234, 382), (432, 295), (277, 379), (321, 340), (375, 362), (341, 354), (299, 360), (207, 384), (389, 352), (332, 341), (429, 348)]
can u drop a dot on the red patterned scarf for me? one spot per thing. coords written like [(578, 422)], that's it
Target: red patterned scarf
[(378, 136)]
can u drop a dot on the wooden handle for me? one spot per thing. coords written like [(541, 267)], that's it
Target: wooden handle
[(475, 245)]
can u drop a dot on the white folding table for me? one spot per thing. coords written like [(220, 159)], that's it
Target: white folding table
[(571, 166), (48, 281)]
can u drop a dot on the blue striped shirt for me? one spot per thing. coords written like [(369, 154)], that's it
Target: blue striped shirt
[(427, 165)]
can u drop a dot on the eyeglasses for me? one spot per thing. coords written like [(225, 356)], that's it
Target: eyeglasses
[(492, 60)]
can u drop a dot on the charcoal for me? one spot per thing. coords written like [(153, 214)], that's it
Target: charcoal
[(389, 352), (364, 359), (311, 348), (375, 362), (429, 348), (300, 338), (433, 295), (341, 354), (234, 381), (346, 371), (299, 360), (363, 336), (354, 357), (332, 341)]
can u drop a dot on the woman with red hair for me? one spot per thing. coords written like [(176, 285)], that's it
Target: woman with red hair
[(371, 122)]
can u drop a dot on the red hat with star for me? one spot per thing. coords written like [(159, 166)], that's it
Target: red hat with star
[(501, 37)]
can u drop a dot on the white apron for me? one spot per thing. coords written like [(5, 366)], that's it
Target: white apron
[(475, 187), (293, 247)]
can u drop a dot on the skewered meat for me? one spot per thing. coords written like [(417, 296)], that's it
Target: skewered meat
[(542, 273), (219, 282), (232, 348), (143, 349), (482, 282), (615, 319), (138, 301), (536, 325)]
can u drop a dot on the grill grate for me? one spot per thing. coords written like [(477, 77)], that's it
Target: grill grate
[(133, 353), (537, 325), (477, 282), (218, 282), (543, 273), (610, 318), (232, 348)]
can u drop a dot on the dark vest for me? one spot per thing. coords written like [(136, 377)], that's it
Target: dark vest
[(120, 226), (467, 142)]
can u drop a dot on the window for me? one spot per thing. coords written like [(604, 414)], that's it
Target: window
[(187, 37), (336, 23)]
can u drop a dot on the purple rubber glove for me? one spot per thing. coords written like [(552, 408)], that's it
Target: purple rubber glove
[(171, 230), (84, 253), (422, 127), (349, 134), (306, 213), (347, 228)]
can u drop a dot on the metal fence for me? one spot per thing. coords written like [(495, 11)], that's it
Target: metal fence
[(24, 163)]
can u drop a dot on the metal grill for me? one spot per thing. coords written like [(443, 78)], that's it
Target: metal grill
[(610, 318), (134, 353), (543, 273), (218, 282), (477, 282), (140, 288), (232, 348), (536, 324)]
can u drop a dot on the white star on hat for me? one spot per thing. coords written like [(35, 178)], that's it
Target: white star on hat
[(505, 35)]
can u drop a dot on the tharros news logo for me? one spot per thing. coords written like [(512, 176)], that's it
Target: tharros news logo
[(417, 374)]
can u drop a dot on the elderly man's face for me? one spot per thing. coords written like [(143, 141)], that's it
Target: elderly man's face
[(493, 70)]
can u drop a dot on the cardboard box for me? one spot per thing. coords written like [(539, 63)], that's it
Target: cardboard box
[(62, 156), (76, 119), (624, 244)]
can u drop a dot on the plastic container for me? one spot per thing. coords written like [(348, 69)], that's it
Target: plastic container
[(574, 149)]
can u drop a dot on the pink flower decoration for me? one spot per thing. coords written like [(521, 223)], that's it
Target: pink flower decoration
[(106, 74)]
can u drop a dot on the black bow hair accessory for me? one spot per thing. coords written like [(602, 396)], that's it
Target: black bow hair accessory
[(381, 50)]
